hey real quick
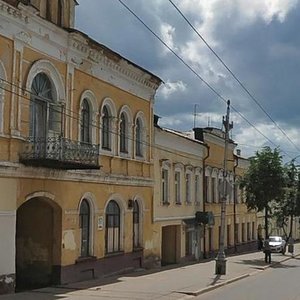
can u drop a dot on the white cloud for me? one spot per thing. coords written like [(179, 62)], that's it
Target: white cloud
[(170, 88), (167, 32)]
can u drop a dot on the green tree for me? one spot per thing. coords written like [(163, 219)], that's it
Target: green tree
[(264, 182), (289, 206)]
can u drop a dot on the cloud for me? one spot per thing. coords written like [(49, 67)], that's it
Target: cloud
[(167, 32), (257, 39), (170, 88)]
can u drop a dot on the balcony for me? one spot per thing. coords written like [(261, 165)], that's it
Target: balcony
[(59, 153)]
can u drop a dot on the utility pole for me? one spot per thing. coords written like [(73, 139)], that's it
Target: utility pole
[(220, 259)]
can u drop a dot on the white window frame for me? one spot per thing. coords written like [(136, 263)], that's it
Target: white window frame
[(165, 183), (92, 101), (143, 142), (198, 184), (3, 78), (188, 185), (128, 132), (112, 126)]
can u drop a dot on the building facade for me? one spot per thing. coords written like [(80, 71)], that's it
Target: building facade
[(178, 195), (76, 168), (240, 224)]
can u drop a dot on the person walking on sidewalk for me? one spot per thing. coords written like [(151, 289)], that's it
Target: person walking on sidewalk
[(267, 251)]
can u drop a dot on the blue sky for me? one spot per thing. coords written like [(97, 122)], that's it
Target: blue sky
[(257, 39)]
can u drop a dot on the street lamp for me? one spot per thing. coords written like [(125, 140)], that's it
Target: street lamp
[(220, 259)]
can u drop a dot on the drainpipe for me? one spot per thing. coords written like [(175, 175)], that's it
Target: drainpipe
[(234, 204), (204, 197)]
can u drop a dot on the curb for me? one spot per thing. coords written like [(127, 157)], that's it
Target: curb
[(211, 288)]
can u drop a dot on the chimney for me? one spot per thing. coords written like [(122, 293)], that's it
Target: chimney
[(156, 118), (198, 132)]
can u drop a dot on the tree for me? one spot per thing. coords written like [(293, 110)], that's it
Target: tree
[(289, 206), (264, 182)]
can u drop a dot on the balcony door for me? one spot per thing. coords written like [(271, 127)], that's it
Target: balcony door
[(41, 110)]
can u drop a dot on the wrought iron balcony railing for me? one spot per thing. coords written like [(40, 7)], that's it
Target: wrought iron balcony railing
[(59, 152)]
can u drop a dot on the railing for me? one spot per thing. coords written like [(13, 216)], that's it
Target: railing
[(59, 152)]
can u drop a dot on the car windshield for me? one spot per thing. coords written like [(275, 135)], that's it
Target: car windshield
[(275, 239)]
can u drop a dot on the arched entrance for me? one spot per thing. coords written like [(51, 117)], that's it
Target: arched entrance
[(38, 244)]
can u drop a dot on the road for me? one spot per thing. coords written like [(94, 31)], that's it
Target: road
[(279, 282)]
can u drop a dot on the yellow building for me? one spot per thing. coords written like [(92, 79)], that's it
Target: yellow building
[(240, 225), (76, 169), (178, 196)]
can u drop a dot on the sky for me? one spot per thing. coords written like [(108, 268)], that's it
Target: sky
[(258, 40)]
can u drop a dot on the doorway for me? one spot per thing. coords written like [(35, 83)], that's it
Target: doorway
[(38, 244)]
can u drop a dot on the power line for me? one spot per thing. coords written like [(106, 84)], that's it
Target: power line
[(232, 74), (195, 73)]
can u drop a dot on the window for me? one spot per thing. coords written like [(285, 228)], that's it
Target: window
[(189, 237), (213, 189), (207, 189), (253, 230), (197, 189), (243, 232), (165, 186), (85, 228), (188, 188), (237, 237), (44, 114), (210, 239), (2, 76), (248, 232), (221, 189), (85, 129), (123, 134), (139, 138), (228, 235), (136, 225), (177, 187), (106, 129), (112, 233)]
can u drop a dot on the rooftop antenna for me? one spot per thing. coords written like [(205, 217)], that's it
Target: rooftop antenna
[(208, 121), (195, 114)]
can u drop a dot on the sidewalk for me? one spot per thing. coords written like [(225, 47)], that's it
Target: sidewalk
[(167, 283)]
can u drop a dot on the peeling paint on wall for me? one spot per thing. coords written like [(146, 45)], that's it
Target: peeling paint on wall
[(69, 240)]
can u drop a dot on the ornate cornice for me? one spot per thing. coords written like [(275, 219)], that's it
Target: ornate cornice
[(14, 12), (117, 64)]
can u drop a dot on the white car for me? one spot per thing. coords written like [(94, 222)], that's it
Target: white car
[(277, 244)]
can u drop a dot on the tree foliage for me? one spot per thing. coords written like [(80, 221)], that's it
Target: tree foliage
[(264, 181), (289, 206)]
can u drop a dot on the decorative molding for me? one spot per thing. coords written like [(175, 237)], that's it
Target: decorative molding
[(16, 13), (24, 37), (98, 56)]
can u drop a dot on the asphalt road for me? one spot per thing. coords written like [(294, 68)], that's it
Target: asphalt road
[(280, 282)]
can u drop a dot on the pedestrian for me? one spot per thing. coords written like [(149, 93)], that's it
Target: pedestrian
[(267, 251)]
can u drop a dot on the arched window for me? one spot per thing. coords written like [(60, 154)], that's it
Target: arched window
[(123, 134), (138, 138), (112, 230), (106, 129), (44, 114), (85, 228), (85, 130), (136, 225), (2, 81)]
